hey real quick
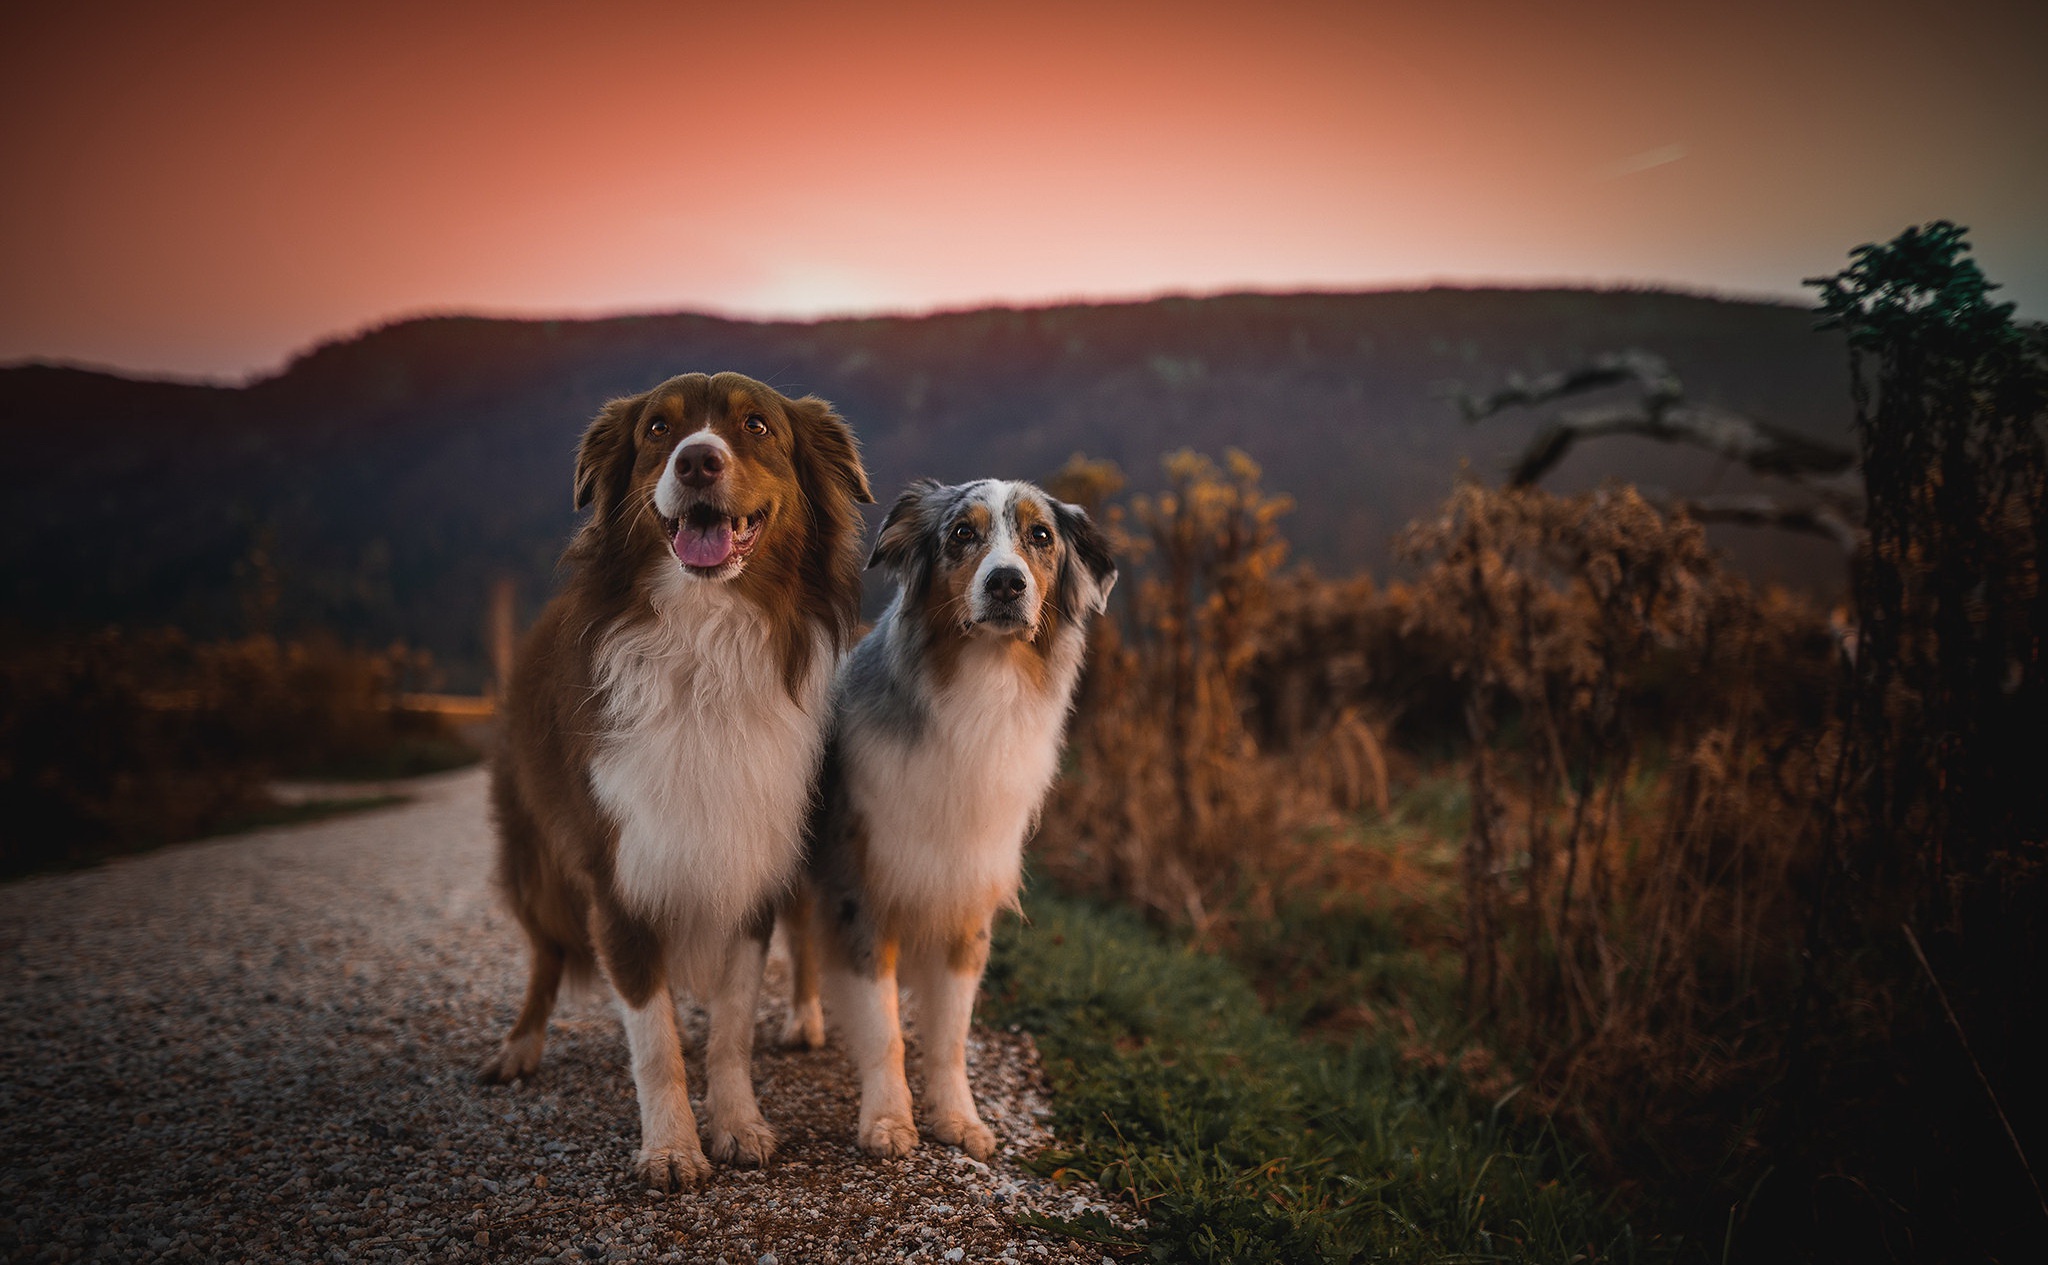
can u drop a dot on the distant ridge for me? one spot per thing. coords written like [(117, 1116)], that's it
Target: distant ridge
[(389, 476)]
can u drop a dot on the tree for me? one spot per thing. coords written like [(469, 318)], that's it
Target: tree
[(1941, 825)]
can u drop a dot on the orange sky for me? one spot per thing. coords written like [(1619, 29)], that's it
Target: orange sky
[(206, 188)]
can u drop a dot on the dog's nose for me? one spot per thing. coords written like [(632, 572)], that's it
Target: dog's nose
[(699, 465), (1004, 584)]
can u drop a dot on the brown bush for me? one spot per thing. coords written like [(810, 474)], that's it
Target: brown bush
[(1168, 782), (1645, 792), (121, 740), (1646, 738)]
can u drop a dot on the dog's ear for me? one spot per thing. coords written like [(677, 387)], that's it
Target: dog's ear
[(828, 468), (826, 444), (1089, 573), (905, 532), (604, 460)]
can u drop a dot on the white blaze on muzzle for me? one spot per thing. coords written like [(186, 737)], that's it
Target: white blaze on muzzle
[(671, 494), (1003, 555)]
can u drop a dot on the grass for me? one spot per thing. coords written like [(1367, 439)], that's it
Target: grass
[(1240, 1140), (1362, 933)]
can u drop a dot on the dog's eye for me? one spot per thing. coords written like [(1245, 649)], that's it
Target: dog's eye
[(963, 533), (1039, 534), (657, 427), (756, 424)]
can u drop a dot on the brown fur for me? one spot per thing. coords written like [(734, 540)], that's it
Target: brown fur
[(807, 568), (557, 847)]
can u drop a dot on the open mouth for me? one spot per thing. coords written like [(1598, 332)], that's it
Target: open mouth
[(706, 538)]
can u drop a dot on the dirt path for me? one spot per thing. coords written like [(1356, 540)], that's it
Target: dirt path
[(262, 1047)]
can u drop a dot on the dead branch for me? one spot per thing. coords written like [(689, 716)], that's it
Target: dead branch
[(1759, 510), (1605, 370), (1764, 448), (1826, 471)]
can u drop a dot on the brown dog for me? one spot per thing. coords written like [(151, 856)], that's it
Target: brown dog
[(663, 730)]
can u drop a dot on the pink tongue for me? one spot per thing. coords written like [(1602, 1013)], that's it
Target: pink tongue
[(703, 546)]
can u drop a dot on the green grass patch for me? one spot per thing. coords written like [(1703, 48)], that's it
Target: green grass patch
[(1241, 1141)]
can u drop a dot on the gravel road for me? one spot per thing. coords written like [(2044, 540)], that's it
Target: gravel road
[(262, 1048)]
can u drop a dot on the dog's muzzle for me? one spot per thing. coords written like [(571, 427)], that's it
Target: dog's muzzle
[(1004, 600), (706, 538)]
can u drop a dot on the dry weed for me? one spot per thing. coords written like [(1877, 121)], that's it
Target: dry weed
[(1643, 795)]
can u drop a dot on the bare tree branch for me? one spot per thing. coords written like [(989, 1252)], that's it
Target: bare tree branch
[(1759, 510), (1608, 369), (1826, 471), (1760, 446)]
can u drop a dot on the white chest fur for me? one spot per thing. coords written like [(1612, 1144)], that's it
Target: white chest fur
[(947, 811), (706, 762)]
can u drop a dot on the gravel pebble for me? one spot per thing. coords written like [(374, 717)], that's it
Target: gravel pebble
[(263, 1047)]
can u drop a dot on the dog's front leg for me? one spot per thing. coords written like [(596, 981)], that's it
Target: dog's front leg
[(862, 998), (944, 983), (738, 1134), (635, 961), (670, 1157)]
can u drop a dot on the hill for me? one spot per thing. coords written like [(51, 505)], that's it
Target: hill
[(386, 479)]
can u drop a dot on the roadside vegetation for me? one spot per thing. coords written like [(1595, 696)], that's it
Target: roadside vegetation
[(121, 741), (1177, 1084), (1574, 862)]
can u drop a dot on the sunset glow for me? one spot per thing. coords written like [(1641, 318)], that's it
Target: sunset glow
[(207, 189)]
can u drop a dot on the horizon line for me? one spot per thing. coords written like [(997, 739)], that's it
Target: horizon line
[(278, 369)]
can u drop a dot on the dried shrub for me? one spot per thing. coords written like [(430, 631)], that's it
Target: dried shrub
[(122, 740), (1168, 783), (1650, 745), (1643, 792)]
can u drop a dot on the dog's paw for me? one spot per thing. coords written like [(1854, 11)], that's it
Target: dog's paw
[(514, 1060), (747, 1143), (966, 1132), (888, 1137), (805, 1027), (671, 1168)]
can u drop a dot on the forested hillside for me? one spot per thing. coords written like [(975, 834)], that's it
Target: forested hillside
[(380, 483)]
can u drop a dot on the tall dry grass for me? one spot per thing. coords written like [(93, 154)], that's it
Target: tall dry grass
[(1646, 738), (1748, 898), (1171, 789), (1648, 765)]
